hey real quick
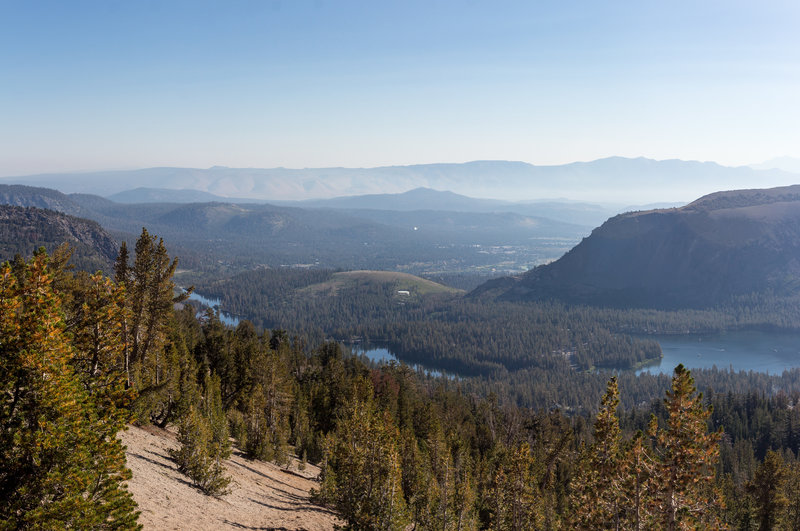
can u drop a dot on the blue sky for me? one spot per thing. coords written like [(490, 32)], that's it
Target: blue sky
[(104, 84)]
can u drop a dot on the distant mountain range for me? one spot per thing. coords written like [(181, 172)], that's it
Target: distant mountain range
[(614, 180), (572, 212), (166, 195), (723, 245), (789, 164), (221, 236)]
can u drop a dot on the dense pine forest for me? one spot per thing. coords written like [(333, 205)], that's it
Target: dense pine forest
[(533, 354), (82, 356)]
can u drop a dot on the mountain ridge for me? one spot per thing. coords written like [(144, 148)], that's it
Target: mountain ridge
[(24, 229), (721, 246), (616, 179)]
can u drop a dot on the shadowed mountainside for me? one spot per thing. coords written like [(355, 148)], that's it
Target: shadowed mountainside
[(25, 229), (723, 245)]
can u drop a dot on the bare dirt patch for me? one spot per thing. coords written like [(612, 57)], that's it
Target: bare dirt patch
[(263, 496)]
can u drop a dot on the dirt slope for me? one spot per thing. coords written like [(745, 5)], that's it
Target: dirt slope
[(263, 496)]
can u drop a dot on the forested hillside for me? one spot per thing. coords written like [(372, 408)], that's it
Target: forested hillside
[(23, 230), (394, 449), (223, 238)]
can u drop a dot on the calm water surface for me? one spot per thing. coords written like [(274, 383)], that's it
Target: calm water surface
[(743, 351), (381, 354), (225, 317)]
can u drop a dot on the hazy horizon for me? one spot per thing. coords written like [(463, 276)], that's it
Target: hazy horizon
[(612, 181), (780, 163), (99, 85)]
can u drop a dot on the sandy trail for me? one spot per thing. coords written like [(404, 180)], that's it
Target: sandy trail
[(263, 496)]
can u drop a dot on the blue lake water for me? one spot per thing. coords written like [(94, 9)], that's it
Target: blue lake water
[(383, 355), (767, 352), (224, 317)]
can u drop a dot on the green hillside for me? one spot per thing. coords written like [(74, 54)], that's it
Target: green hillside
[(400, 282)]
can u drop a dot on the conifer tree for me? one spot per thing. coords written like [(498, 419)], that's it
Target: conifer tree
[(121, 266), (361, 474), (598, 489), (683, 481), (442, 479), (217, 419), (637, 472), (267, 409), (462, 501), (196, 457), (516, 493), (791, 491), (121, 277), (416, 479), (99, 341), (204, 442), (150, 298), (766, 488), (61, 465)]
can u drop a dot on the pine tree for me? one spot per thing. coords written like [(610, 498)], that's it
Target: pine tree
[(598, 489), (442, 479), (683, 481), (196, 456), (462, 500), (217, 419), (361, 474), (150, 298), (99, 341), (121, 277), (204, 441), (516, 493), (267, 409), (416, 480), (791, 491), (637, 471), (121, 266), (61, 465), (766, 488)]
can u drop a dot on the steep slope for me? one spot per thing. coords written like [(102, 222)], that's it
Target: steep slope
[(263, 496), (25, 229), (720, 246)]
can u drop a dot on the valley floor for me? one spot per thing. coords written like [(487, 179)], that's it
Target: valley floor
[(263, 496)]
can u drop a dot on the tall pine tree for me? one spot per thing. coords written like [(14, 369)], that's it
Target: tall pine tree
[(61, 465), (684, 490)]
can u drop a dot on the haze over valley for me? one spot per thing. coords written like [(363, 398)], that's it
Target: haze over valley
[(457, 266), (616, 180)]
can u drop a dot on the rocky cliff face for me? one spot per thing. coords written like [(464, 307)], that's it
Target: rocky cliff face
[(25, 229), (722, 245)]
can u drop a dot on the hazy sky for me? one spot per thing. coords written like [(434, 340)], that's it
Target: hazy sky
[(106, 84)]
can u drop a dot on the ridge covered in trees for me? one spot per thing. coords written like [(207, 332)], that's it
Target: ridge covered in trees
[(82, 355)]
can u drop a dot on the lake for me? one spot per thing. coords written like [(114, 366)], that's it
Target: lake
[(767, 352), (381, 354), (224, 317)]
